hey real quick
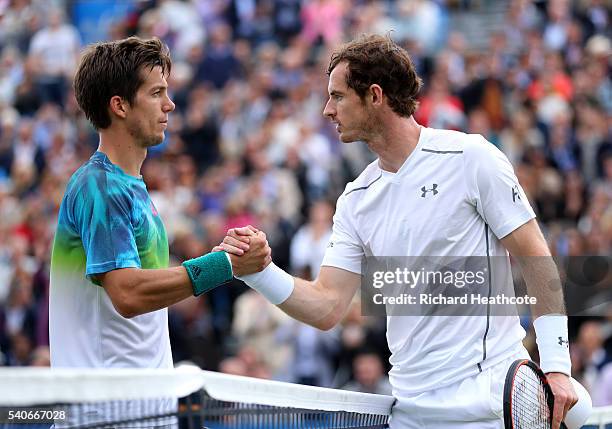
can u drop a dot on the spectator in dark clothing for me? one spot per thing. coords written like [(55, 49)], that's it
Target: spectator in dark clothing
[(219, 64), (200, 136)]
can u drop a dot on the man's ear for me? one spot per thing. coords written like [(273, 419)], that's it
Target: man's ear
[(118, 106), (376, 94)]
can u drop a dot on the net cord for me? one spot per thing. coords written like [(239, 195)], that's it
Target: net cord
[(275, 393), (40, 386), (600, 416)]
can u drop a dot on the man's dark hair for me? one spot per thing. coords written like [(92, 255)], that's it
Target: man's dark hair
[(115, 68), (375, 59)]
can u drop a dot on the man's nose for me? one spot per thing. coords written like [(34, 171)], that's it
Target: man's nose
[(170, 105), (328, 111)]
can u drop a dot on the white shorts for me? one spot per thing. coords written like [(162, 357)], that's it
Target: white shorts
[(473, 403)]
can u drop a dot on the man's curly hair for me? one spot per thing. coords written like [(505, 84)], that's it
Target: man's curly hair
[(375, 59)]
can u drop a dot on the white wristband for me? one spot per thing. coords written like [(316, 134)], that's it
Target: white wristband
[(230, 262), (273, 283), (553, 343)]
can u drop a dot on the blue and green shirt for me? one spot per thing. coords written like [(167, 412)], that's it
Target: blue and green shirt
[(106, 221)]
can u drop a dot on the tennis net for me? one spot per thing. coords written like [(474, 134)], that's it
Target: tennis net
[(183, 398), (186, 398), (600, 419)]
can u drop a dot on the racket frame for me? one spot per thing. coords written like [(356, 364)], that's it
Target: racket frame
[(509, 385)]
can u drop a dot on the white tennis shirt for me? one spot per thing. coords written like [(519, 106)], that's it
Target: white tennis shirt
[(477, 201)]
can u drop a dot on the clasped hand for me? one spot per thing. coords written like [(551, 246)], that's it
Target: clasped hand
[(248, 249)]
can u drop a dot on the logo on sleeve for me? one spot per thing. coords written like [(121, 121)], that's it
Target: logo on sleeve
[(563, 342), (433, 190), (516, 195)]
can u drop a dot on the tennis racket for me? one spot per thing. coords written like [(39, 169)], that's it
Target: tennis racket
[(528, 398)]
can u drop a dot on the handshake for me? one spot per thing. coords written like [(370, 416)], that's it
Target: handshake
[(245, 254), (248, 250)]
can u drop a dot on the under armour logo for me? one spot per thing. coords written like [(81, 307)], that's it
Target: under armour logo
[(563, 342), (331, 244), (515, 193), (434, 189)]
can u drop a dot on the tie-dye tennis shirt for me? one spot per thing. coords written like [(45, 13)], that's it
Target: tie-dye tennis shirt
[(106, 221)]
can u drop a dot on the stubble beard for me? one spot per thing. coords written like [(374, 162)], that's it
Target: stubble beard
[(150, 141), (364, 130), (143, 140)]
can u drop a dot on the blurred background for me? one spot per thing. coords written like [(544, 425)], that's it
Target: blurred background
[(247, 144)]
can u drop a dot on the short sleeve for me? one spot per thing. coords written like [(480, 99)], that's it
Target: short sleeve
[(494, 188), (102, 215), (344, 249)]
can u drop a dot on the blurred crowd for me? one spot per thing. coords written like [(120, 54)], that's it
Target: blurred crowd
[(247, 144)]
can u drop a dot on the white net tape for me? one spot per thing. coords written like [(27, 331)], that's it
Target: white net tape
[(39, 386), (28, 386), (601, 417)]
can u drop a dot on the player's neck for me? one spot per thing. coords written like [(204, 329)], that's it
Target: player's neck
[(122, 151), (395, 142)]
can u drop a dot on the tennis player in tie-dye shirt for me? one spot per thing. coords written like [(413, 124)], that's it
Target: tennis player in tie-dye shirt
[(110, 281), (106, 221)]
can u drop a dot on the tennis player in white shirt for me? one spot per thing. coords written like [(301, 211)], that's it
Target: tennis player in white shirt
[(430, 192)]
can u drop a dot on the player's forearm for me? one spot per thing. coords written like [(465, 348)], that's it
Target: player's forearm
[(139, 291), (549, 320), (313, 304), (543, 283), (528, 246), (321, 303)]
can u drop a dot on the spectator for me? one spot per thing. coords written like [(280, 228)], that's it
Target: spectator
[(556, 28), (602, 393), (219, 64), (233, 366), (322, 21), (41, 357), (439, 108), (309, 243), (246, 363), (54, 51), (314, 352), (256, 323), (20, 350), (370, 376), (420, 20), (590, 354), (27, 158)]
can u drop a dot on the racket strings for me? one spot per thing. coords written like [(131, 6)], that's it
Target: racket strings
[(530, 408)]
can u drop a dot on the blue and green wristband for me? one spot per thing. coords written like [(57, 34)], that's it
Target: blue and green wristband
[(208, 271)]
